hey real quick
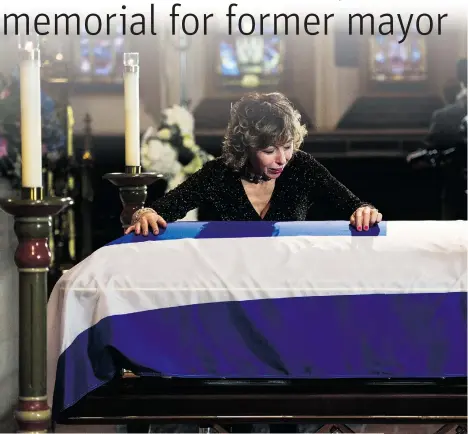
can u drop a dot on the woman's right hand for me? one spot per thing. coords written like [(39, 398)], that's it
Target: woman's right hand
[(149, 220)]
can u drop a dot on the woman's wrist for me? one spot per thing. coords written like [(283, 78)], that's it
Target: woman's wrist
[(139, 213)]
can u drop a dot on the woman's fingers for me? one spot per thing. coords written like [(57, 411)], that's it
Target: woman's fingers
[(144, 225), (148, 221), (137, 228), (358, 219), (162, 222), (365, 217), (375, 217), (152, 222), (129, 229)]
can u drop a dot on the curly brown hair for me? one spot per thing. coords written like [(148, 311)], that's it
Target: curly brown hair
[(260, 120)]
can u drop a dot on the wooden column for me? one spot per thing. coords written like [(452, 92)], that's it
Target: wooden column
[(33, 220)]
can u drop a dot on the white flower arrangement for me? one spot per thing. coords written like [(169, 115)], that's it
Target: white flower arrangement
[(157, 155), (160, 148), (181, 117)]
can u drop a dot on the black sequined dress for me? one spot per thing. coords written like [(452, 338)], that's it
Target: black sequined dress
[(304, 184)]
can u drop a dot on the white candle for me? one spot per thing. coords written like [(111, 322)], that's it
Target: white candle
[(132, 109), (31, 131)]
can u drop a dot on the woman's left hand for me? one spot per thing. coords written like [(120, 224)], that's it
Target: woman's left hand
[(365, 217)]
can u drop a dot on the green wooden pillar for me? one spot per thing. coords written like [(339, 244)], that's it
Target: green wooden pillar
[(33, 220)]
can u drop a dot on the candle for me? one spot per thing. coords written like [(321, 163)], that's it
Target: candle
[(30, 98), (132, 109)]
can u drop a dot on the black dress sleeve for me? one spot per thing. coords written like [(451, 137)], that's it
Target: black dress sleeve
[(326, 188), (176, 203)]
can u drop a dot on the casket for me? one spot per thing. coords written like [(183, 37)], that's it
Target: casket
[(228, 322)]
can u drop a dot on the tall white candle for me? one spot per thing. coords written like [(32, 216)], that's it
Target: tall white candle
[(132, 109), (30, 98)]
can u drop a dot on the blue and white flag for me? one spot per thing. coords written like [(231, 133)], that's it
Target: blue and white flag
[(263, 300)]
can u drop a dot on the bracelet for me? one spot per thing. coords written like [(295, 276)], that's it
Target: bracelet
[(138, 214)]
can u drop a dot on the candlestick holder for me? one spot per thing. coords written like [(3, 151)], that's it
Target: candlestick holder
[(33, 220), (133, 188)]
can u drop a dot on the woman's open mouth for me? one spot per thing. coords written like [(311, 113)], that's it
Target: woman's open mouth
[(275, 171)]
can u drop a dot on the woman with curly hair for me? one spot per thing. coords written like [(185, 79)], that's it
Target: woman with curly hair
[(261, 175)]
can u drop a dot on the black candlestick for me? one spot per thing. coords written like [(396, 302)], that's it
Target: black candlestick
[(133, 189)]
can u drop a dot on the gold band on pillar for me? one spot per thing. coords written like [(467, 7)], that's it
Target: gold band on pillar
[(133, 170), (33, 415), (32, 193), (33, 398)]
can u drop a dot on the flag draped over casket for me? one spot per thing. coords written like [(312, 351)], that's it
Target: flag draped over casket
[(263, 300)]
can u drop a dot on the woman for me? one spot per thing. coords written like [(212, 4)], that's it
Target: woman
[(261, 175)]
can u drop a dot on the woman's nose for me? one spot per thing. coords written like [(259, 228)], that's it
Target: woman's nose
[(281, 158)]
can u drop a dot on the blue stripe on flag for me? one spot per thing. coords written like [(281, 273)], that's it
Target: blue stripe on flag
[(261, 229), (356, 336)]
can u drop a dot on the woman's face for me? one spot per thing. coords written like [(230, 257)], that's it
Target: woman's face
[(272, 160)]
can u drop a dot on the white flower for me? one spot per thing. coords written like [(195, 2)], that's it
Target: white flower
[(189, 142), (164, 134), (160, 157), (181, 117)]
